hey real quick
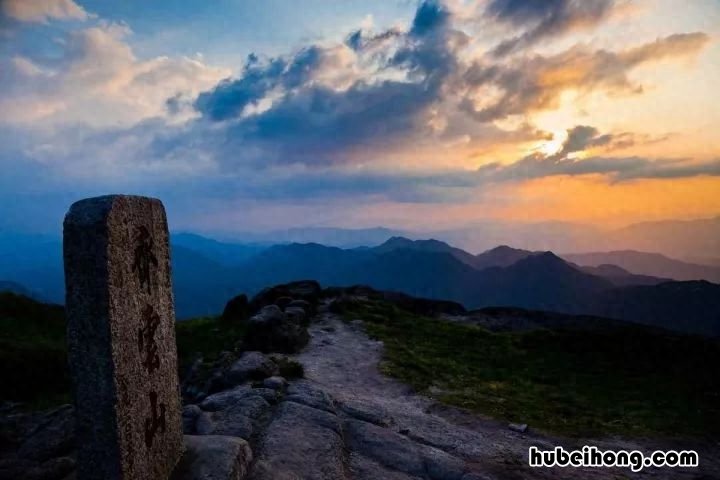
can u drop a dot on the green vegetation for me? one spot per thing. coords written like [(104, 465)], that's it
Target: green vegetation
[(33, 358), (208, 336), (33, 352), (625, 380), (289, 368)]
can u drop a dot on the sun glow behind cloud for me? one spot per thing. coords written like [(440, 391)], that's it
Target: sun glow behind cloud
[(583, 111)]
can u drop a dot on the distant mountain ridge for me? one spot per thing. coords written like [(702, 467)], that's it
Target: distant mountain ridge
[(206, 273), (652, 264)]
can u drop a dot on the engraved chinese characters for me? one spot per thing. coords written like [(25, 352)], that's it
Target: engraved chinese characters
[(121, 338)]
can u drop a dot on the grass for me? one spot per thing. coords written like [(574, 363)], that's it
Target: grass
[(630, 381), (33, 357), (288, 368), (207, 336), (33, 352)]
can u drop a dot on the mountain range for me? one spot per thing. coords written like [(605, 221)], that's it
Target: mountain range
[(693, 240), (632, 286)]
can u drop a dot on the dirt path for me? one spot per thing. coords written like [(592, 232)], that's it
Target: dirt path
[(343, 361)]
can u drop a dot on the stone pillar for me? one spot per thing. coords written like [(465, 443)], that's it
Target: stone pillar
[(121, 338)]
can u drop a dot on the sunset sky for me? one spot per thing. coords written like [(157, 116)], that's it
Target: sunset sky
[(244, 115)]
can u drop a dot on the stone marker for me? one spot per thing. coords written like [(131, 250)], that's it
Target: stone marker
[(121, 338)]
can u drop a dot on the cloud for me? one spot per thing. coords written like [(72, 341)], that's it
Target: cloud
[(536, 83), (326, 122), (546, 18), (40, 11), (616, 169), (97, 79)]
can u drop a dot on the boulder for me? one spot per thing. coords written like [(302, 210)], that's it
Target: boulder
[(397, 452), (213, 457), (190, 414), (283, 302), (275, 383), (301, 443), (52, 436), (237, 309), (297, 315), (363, 468), (308, 290), (223, 400), (304, 304), (239, 416), (308, 393), (250, 366), (271, 330), (365, 411)]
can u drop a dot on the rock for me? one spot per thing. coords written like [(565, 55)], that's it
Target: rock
[(216, 423), (223, 400), (397, 452), (442, 466), (236, 310), (476, 476), (366, 411), (216, 383), (190, 413), (362, 468), (283, 302), (250, 366), (238, 419), (228, 398), (297, 315), (518, 427), (275, 383), (307, 393), (53, 469), (122, 353), (304, 304), (301, 443), (271, 330), (384, 447), (308, 290), (213, 457), (52, 436), (271, 396)]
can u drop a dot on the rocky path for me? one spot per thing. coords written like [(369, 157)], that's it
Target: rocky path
[(344, 421), (389, 430)]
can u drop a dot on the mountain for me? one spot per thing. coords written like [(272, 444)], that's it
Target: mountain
[(201, 286), (330, 236), (431, 245), (502, 256), (621, 277), (15, 288), (207, 273), (653, 264), (676, 238), (224, 253), (34, 261), (542, 281), (692, 306)]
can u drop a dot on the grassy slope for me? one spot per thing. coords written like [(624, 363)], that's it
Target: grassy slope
[(33, 357), (630, 381), (32, 351)]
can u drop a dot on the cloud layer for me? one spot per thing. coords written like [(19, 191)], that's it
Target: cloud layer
[(43, 10), (378, 115)]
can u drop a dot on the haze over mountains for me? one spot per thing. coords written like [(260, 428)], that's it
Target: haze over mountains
[(694, 240), (628, 285)]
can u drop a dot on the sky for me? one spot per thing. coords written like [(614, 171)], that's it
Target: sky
[(253, 116)]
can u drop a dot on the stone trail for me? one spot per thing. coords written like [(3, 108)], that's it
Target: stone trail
[(344, 421)]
